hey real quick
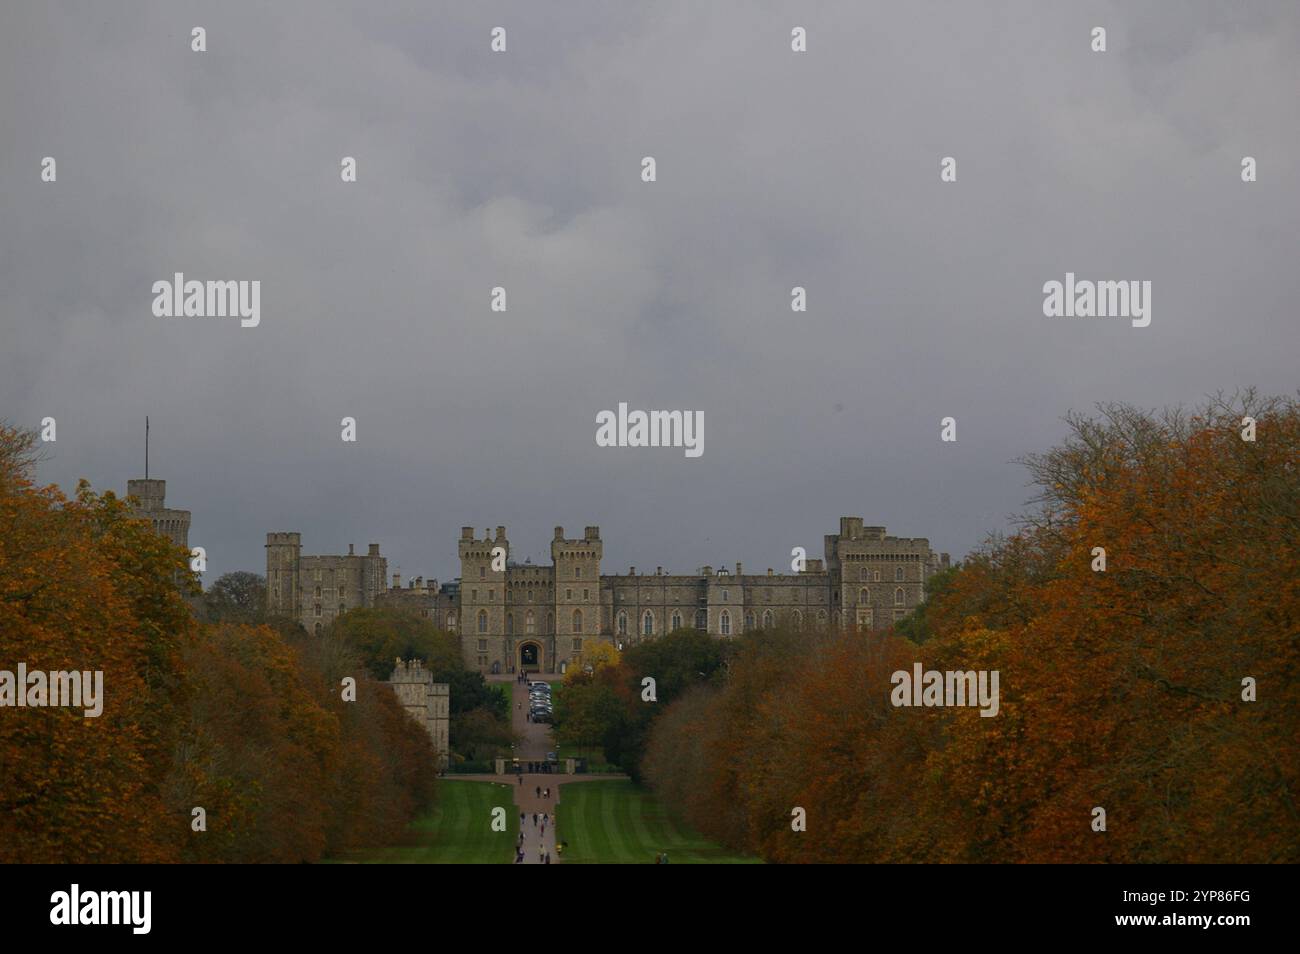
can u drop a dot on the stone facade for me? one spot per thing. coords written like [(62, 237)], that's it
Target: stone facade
[(512, 616), (151, 505), (425, 701), (315, 590)]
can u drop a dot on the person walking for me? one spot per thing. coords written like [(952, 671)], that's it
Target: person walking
[(538, 790)]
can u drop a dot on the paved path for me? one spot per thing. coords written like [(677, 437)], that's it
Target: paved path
[(535, 743)]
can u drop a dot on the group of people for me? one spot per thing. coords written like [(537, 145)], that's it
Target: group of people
[(537, 768), (540, 821)]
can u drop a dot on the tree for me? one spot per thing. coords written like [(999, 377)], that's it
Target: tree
[(383, 634), (238, 597)]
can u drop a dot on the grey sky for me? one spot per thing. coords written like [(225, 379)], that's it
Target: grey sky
[(523, 170)]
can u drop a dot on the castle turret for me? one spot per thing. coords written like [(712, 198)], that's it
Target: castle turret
[(577, 589), (283, 582), (151, 504), (483, 597)]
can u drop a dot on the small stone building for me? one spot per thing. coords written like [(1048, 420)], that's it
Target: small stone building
[(426, 701)]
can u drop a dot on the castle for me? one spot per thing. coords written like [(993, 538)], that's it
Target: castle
[(519, 617), (425, 701)]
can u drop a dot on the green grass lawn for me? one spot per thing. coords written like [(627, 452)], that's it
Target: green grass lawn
[(617, 822), (457, 832)]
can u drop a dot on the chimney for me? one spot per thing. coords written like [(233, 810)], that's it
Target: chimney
[(374, 549), (350, 553), (740, 569), (501, 533), (467, 533), (631, 571), (559, 533), (397, 581), (659, 571), (769, 571)]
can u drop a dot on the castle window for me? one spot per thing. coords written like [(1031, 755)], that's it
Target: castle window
[(821, 617), (318, 629), (586, 594), (482, 621), (341, 609), (577, 572), (899, 614), (862, 575), (510, 624), (898, 596), (749, 621), (724, 623), (492, 595), (677, 621), (622, 624), (482, 645), (701, 620), (875, 576), (864, 596), (530, 596), (451, 622), (317, 613), (724, 596), (577, 644), (317, 594), (898, 574), (482, 572), (530, 624), (568, 594), (767, 619), (648, 624), (473, 596), (798, 621), (577, 621)]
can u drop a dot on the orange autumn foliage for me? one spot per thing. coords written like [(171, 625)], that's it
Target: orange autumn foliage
[(244, 721), (1120, 689)]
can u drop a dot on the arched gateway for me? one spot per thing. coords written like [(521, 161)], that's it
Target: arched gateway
[(530, 656)]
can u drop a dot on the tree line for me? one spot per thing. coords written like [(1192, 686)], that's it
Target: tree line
[(208, 704), (1144, 618)]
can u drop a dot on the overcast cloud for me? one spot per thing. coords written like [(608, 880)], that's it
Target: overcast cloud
[(523, 170)]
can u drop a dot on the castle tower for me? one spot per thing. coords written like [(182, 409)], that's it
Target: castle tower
[(283, 579), (151, 505), (425, 701), (483, 598), (876, 579), (577, 593)]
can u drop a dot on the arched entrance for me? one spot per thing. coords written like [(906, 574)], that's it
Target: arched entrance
[(530, 656)]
